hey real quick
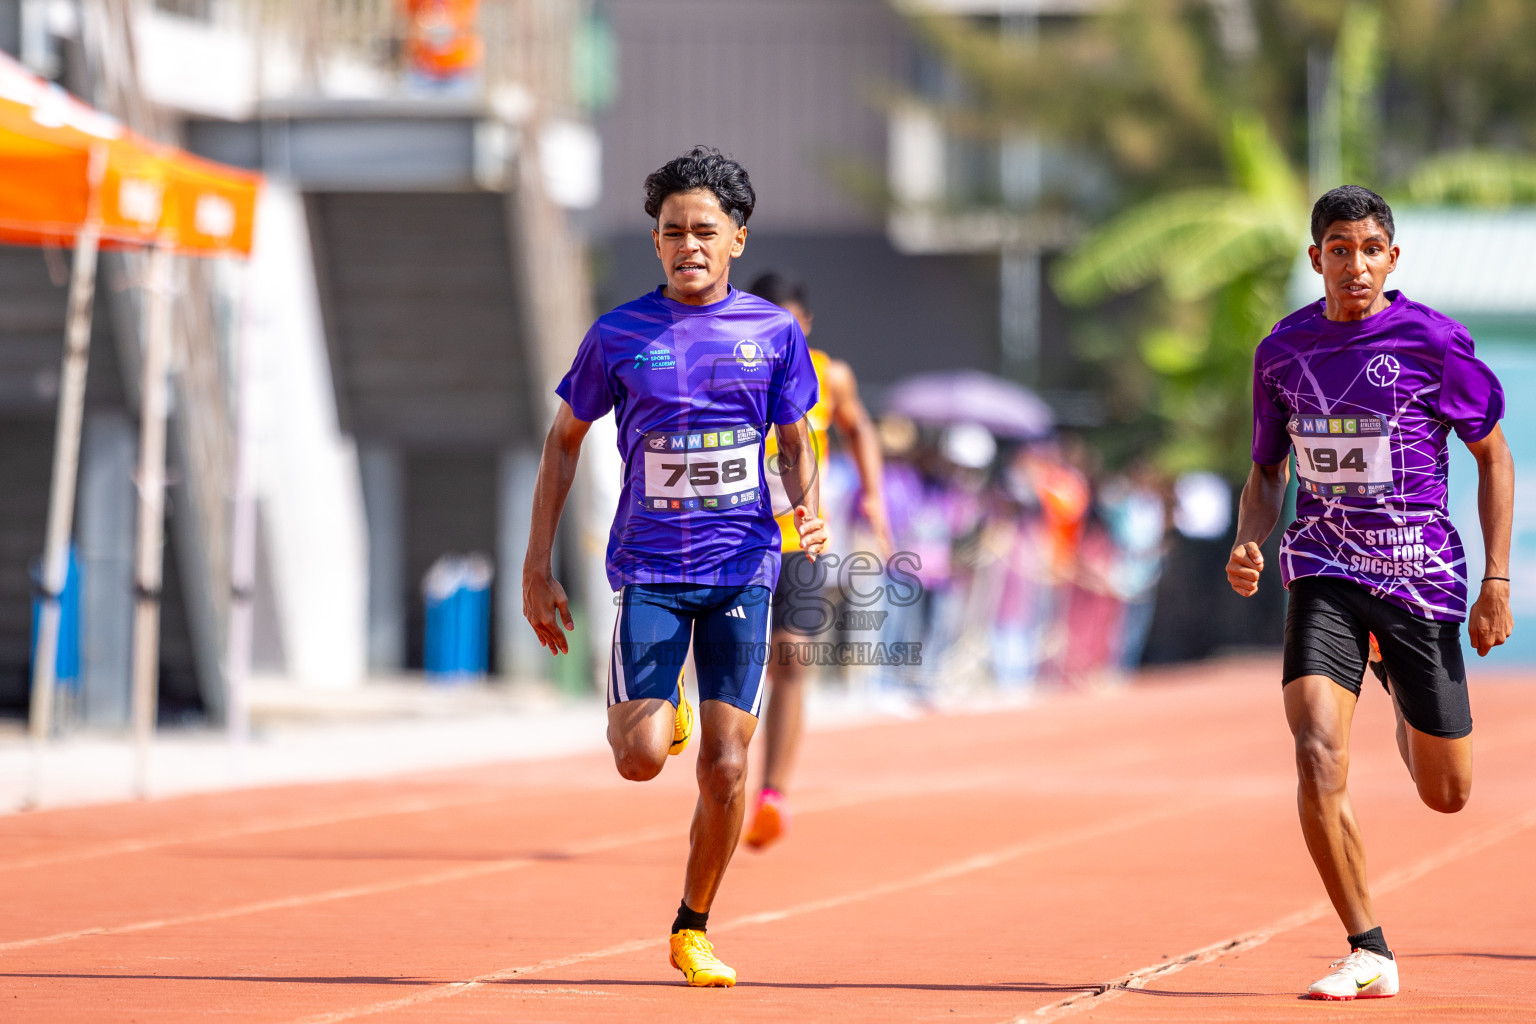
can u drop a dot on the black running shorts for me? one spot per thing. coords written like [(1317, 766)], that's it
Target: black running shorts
[(1327, 633), (802, 604)]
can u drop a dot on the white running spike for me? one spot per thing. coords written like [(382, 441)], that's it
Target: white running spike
[(1361, 975)]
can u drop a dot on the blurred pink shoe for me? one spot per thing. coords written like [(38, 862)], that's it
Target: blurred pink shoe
[(769, 821)]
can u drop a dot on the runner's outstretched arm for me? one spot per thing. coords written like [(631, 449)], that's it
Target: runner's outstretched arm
[(1257, 513), (543, 596), (854, 423), (797, 462), (1490, 622)]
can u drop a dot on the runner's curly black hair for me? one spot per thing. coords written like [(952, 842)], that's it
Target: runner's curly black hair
[(702, 168), (1350, 202)]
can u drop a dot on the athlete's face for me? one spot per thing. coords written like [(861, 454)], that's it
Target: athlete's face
[(1354, 258), (696, 241)]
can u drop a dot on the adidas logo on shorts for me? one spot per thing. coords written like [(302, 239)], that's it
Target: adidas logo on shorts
[(736, 613)]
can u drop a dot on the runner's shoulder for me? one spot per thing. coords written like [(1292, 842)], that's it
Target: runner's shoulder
[(773, 316), (1292, 330), (1442, 325), (641, 308)]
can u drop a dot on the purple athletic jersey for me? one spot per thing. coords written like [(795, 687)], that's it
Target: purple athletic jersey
[(1367, 405), (694, 388)]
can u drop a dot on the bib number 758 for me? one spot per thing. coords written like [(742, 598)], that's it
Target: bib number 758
[(706, 474)]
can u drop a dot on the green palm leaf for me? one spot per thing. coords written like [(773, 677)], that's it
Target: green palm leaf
[(1132, 249)]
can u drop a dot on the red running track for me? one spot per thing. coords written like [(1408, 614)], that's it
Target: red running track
[(1127, 856)]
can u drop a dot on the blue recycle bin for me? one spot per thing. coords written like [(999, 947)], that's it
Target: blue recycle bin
[(66, 667), (457, 593)]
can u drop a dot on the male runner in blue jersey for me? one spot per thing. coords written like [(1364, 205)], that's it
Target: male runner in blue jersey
[(1366, 387), (696, 372)]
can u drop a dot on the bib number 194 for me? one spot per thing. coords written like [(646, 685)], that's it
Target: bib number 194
[(1327, 460), (1342, 456)]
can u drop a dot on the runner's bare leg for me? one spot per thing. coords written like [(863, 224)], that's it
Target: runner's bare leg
[(1320, 713), (725, 731), (784, 719)]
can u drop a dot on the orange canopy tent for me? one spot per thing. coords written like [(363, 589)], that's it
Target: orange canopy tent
[(59, 156), (70, 174)]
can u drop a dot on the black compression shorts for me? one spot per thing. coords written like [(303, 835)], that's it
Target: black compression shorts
[(1327, 633)]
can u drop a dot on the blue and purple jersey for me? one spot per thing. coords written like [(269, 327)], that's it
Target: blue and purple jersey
[(1368, 406), (694, 390)]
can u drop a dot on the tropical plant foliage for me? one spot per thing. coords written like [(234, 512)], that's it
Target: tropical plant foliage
[(1221, 119)]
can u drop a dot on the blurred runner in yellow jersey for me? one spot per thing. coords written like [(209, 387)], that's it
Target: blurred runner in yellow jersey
[(800, 606)]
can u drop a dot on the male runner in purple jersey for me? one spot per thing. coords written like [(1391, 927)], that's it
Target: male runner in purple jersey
[(695, 372), (1366, 386)]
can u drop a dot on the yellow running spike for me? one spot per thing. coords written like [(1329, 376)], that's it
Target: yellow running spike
[(682, 726), (693, 954)]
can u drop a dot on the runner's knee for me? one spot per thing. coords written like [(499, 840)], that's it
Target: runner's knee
[(636, 761), (723, 773), (1322, 763), (637, 765), (1446, 794)]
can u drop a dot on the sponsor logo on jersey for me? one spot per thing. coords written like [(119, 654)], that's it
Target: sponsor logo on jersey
[(745, 434), (1335, 426), (659, 358), (711, 502), (695, 440), (676, 503), (679, 442), (749, 355), (1383, 370), (735, 498), (726, 438), (659, 443), (1351, 426), (661, 503), (1340, 488), (690, 503), (712, 440)]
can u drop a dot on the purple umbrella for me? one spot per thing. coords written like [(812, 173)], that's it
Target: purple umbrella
[(970, 396)]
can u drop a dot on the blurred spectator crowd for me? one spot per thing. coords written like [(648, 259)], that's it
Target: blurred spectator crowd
[(1034, 567)]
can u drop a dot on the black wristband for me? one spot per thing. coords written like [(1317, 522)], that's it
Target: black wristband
[(1502, 578)]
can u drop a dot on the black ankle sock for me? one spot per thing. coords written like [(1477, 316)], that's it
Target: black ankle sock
[(691, 919), (1373, 941)]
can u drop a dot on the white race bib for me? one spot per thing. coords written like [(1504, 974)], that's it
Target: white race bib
[(713, 469), (1342, 456)]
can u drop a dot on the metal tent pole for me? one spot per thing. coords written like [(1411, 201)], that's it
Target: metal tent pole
[(149, 555), (66, 468), (242, 541)]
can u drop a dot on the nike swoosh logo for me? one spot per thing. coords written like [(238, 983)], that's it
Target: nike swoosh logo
[(1359, 985)]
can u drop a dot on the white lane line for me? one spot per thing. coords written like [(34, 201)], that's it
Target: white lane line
[(890, 789), (383, 809), (1392, 880), (423, 805), (965, 866), (456, 874)]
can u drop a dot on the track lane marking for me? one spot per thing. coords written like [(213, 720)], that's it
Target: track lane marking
[(381, 809), (888, 789), (1389, 882), (600, 845), (954, 869)]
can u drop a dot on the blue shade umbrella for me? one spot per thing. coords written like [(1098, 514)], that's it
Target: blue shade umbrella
[(969, 396)]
